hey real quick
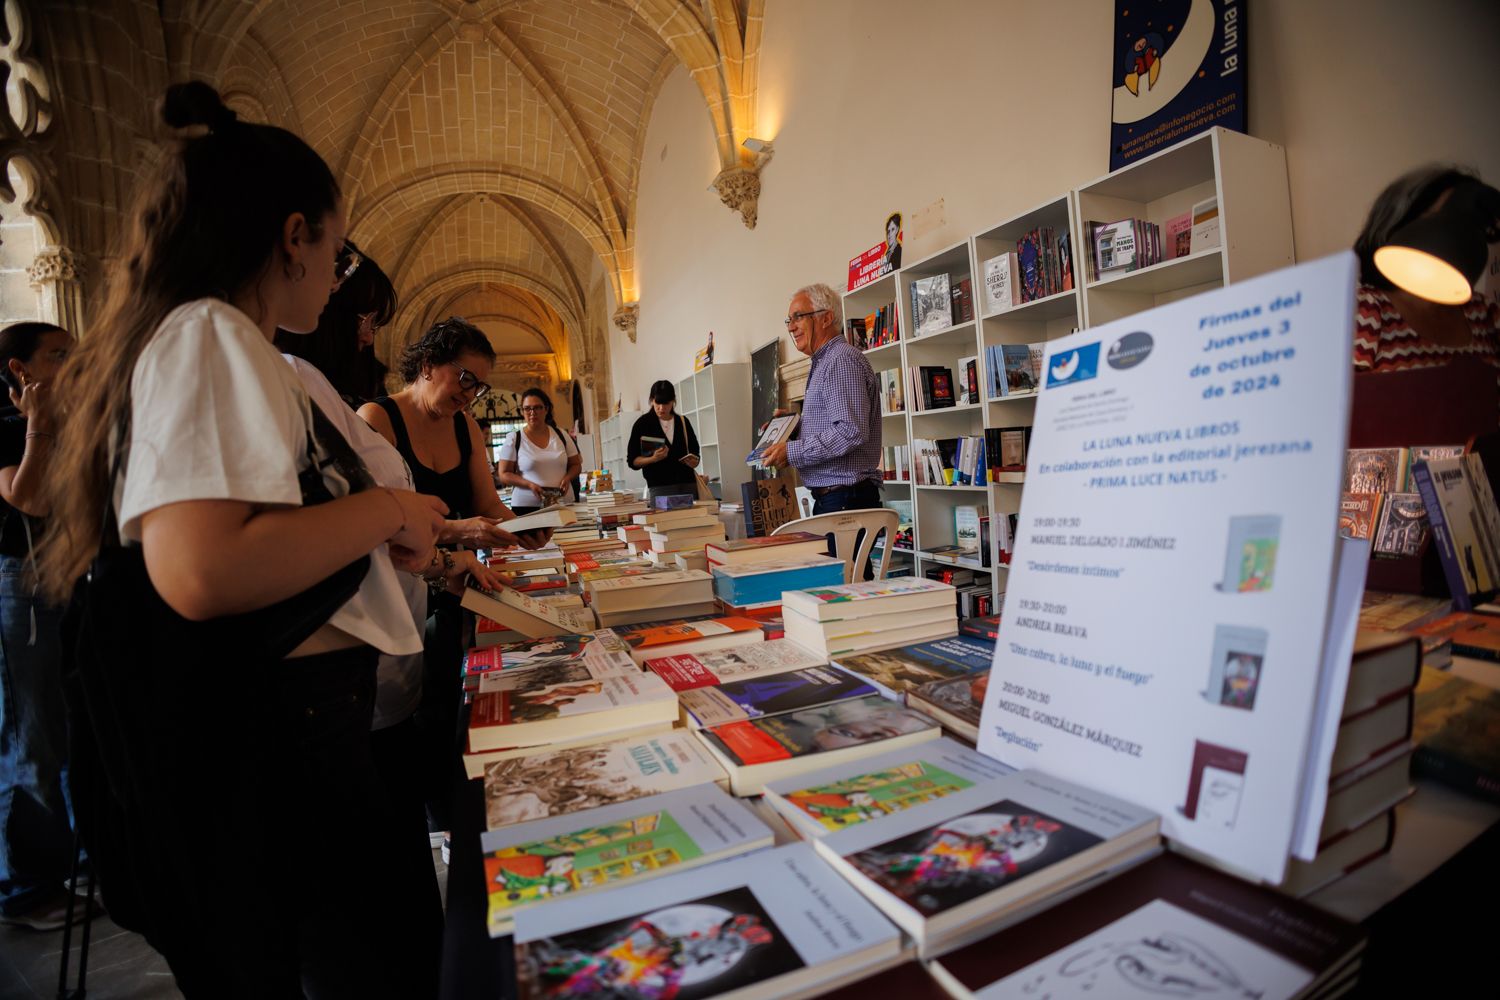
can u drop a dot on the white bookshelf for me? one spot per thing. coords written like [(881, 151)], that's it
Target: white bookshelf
[(717, 401), (612, 431), (1248, 178)]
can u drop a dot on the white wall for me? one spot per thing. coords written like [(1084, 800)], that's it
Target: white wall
[(994, 106)]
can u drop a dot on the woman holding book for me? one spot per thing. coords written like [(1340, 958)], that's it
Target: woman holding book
[(241, 582), (663, 446), (539, 460)]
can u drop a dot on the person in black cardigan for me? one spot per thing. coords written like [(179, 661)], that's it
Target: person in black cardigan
[(668, 468)]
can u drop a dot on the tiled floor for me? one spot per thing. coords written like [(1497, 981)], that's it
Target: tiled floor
[(121, 965)]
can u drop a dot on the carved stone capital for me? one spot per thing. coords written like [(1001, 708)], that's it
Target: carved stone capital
[(625, 318), (739, 189), (55, 264)]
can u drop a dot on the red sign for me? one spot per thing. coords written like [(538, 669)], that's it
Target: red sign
[(868, 266)]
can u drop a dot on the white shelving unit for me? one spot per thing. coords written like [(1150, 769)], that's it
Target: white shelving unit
[(717, 401), (612, 431), (1246, 175)]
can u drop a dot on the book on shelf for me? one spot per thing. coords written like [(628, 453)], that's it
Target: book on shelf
[(681, 638), (1454, 732), (563, 701), (968, 380), (954, 869), (1177, 235), (1002, 286), (1205, 232), (962, 294), (585, 777), (771, 747), (626, 842), (778, 431), (765, 581), (687, 671), (898, 671), (1017, 369), (1465, 524), (892, 391), (753, 697), (937, 387), (1168, 920), (931, 309), (773, 924), (966, 527), (854, 792)]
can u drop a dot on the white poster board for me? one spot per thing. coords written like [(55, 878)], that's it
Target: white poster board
[(1169, 596)]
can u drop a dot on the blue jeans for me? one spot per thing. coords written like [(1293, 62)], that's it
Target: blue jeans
[(860, 496), (36, 837)]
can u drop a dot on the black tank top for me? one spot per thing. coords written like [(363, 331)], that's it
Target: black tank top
[(453, 487)]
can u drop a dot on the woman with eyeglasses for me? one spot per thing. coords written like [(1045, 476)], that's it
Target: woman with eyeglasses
[(539, 460), (429, 424), (233, 570)]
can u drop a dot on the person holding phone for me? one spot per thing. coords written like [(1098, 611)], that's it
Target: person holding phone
[(663, 446)]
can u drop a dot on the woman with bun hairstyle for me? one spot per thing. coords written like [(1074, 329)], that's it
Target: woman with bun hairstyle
[(227, 708)]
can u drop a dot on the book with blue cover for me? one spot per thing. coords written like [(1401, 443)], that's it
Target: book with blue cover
[(753, 697), (765, 582), (897, 671)]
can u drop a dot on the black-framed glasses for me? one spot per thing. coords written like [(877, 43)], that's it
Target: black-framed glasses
[(798, 317), (469, 382), (533, 409), (346, 263)]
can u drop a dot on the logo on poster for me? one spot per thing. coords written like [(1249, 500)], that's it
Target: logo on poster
[(1130, 350), (1077, 365)]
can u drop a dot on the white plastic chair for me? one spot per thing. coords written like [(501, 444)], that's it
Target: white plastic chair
[(845, 527)]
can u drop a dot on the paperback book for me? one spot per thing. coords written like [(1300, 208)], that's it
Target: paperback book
[(898, 671), (563, 701), (778, 431), (754, 697), (688, 671)]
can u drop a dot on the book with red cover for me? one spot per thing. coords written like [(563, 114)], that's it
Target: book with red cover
[(1167, 921), (689, 637), (986, 627)]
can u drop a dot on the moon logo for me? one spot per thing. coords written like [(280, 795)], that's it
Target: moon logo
[(1178, 65), (1064, 368)]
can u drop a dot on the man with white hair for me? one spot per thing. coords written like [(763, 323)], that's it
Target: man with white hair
[(837, 449)]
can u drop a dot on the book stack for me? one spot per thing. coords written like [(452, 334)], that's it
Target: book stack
[(531, 616), (1454, 730), (1465, 524), (780, 548), (670, 531), (869, 615), (1014, 369), (759, 585), (586, 562), (959, 461), (656, 596), (1427, 618), (1126, 245)]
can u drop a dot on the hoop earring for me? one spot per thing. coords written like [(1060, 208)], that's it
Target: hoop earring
[(301, 271)]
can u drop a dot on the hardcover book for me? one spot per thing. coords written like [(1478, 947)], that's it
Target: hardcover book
[(834, 798), (1002, 289), (1403, 525), (774, 924), (561, 856), (585, 777), (931, 309), (1375, 470)]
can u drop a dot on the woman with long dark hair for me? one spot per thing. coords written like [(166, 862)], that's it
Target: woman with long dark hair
[(242, 583), (664, 446), (539, 460)]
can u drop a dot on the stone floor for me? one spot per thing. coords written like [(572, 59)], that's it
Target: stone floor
[(121, 965)]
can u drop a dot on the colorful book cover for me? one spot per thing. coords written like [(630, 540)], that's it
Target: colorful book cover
[(778, 431), (687, 671), (1375, 470), (753, 697), (1177, 235), (897, 671), (840, 804), (1020, 373), (773, 924), (814, 730), (598, 649), (919, 592), (960, 697), (509, 698), (985, 628), (586, 777), (1359, 514), (1403, 525), (1427, 452), (1029, 256), (1250, 553), (645, 639), (599, 848)]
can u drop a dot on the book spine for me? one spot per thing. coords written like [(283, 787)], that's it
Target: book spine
[(1440, 534), (1455, 773)]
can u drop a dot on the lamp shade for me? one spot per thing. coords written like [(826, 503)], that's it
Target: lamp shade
[(1436, 257)]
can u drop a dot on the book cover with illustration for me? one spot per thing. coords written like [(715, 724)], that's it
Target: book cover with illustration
[(814, 730), (778, 431), (1234, 674), (932, 309), (600, 648), (716, 632), (1403, 525), (867, 597), (856, 792), (1375, 470), (540, 861), (897, 671), (515, 709), (772, 924), (1021, 375), (946, 868), (586, 777), (753, 697), (1250, 553), (956, 703), (1358, 514)]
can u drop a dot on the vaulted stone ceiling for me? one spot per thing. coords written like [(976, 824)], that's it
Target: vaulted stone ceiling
[(489, 150)]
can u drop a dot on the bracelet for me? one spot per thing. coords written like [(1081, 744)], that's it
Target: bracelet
[(387, 491), (442, 559)]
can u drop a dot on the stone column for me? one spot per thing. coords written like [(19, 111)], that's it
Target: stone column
[(57, 276)]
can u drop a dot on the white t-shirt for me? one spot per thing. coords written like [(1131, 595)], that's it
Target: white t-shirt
[(398, 677), (216, 414), (540, 465)]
